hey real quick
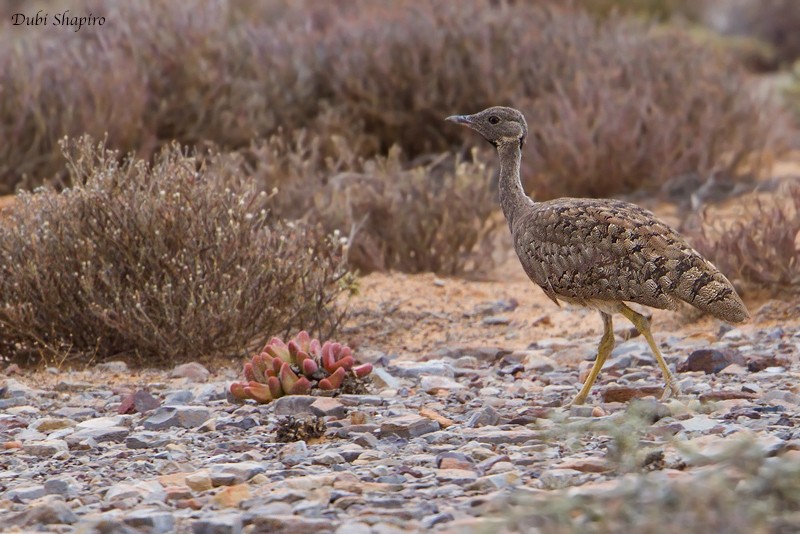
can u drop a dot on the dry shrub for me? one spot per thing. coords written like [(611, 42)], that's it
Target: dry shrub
[(614, 105), (762, 245), (609, 105), (435, 214), (159, 264), (775, 22)]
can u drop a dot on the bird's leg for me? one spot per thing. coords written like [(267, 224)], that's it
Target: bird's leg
[(603, 350), (643, 325)]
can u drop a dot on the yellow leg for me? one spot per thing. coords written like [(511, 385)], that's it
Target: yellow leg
[(643, 326), (603, 350)]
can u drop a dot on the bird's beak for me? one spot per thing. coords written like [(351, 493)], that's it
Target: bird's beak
[(460, 119)]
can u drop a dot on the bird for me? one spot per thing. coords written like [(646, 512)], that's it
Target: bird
[(601, 253)]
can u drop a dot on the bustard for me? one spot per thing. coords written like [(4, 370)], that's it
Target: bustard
[(601, 253)]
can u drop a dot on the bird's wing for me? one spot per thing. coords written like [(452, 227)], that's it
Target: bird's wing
[(605, 250)]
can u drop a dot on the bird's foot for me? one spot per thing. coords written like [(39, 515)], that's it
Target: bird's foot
[(672, 390)]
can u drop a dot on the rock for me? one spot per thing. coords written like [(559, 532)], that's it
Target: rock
[(140, 401), (486, 416), (232, 496), (537, 362), (233, 473), (497, 437), (150, 490), (354, 527), (408, 426), (586, 465), (699, 423), (414, 369), (64, 486), (625, 393), (98, 435), (456, 476), (25, 493), (383, 379), (453, 460), (46, 448), (328, 407), (291, 523), (508, 479), (328, 458), (781, 395), (179, 397), (443, 421), (711, 360), (15, 388), (153, 520), (192, 371), (199, 480), (559, 478), (496, 320), (171, 416), (431, 521), (146, 440), (217, 523), (49, 424), (49, 510), (433, 384), (294, 404), (114, 366)]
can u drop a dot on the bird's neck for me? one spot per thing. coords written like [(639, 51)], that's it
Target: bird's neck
[(512, 196)]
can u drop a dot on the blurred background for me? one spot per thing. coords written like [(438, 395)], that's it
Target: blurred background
[(335, 111)]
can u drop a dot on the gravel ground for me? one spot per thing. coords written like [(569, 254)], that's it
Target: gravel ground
[(463, 429)]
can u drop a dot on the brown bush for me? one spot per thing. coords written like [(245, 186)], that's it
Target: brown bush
[(761, 246), (158, 264), (775, 23), (436, 214), (615, 105)]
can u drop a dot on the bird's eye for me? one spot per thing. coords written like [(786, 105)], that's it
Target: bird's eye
[(493, 119)]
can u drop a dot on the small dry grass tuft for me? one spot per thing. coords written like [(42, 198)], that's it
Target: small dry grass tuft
[(762, 246), (175, 261)]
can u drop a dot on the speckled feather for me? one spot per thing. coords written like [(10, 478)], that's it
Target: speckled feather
[(589, 250)]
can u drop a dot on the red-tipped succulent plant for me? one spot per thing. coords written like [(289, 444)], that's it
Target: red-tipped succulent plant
[(296, 368)]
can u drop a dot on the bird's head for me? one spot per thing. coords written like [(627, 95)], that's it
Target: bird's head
[(498, 125)]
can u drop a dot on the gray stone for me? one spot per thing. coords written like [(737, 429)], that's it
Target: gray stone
[(413, 369), (150, 490), (432, 384), (496, 437), (486, 416), (234, 473), (559, 478), (293, 404), (408, 426), (435, 519), (179, 398), (64, 486), (699, 423), (193, 371), (15, 388), (154, 520), (328, 458), (49, 510), (98, 435), (383, 379), (146, 440), (496, 320), (782, 395), (354, 527), (46, 448), (217, 523), (210, 392), (25, 493), (76, 413), (115, 366), (182, 416)]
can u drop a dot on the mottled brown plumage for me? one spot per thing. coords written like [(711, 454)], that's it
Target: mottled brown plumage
[(601, 253)]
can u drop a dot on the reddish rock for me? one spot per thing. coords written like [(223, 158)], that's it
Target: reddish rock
[(711, 360), (625, 393)]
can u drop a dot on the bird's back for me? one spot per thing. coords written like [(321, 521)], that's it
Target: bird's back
[(588, 250)]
